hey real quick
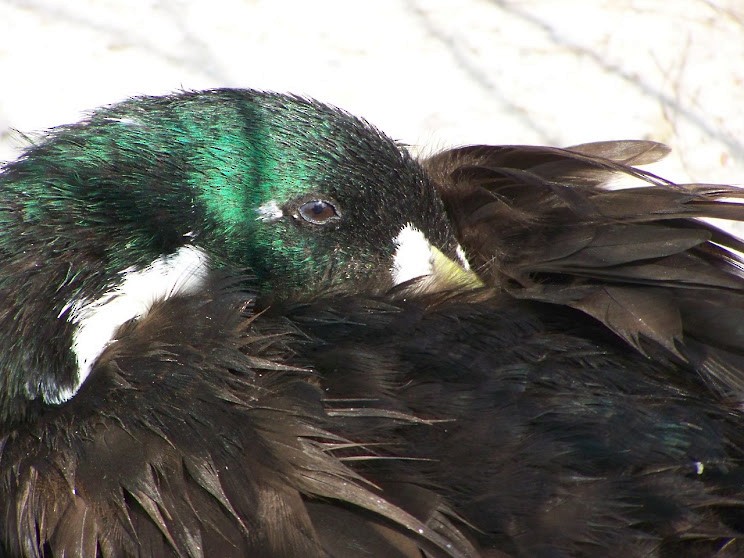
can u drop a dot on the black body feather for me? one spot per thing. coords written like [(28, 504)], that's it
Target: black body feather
[(196, 437), (454, 425), (544, 432)]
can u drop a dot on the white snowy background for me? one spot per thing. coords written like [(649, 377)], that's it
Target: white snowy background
[(431, 73)]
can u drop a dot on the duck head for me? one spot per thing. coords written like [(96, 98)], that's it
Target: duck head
[(143, 199)]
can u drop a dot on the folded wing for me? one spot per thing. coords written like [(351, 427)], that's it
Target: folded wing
[(546, 224)]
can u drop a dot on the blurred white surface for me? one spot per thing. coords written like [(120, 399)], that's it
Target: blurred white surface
[(432, 73)]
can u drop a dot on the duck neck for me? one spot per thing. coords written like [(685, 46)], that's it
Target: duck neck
[(70, 304)]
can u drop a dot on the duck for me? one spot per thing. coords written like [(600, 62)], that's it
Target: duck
[(244, 323)]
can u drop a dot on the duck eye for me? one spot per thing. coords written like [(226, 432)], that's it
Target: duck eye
[(318, 212)]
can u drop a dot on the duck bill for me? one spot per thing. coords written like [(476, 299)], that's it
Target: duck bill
[(423, 266), (448, 274)]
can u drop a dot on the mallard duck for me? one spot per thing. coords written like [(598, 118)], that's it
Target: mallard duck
[(239, 323)]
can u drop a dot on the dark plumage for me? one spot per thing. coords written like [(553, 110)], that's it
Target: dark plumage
[(539, 223), (584, 401), (545, 433), (195, 437)]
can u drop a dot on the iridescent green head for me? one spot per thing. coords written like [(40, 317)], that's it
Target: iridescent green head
[(303, 196)]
